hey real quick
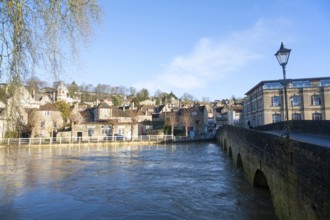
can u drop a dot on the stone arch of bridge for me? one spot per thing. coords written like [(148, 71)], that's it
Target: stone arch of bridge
[(239, 161), (224, 144), (230, 153), (260, 180)]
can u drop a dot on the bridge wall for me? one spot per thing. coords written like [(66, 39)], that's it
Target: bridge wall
[(319, 127), (297, 174)]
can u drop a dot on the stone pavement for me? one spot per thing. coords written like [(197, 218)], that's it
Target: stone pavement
[(319, 140)]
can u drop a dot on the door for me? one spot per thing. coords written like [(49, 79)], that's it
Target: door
[(79, 136)]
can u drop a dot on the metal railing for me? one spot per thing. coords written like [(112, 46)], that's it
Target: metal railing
[(100, 139), (88, 139)]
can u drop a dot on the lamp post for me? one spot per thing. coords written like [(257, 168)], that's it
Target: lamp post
[(291, 99), (282, 56)]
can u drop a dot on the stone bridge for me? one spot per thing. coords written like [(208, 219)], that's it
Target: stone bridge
[(296, 173)]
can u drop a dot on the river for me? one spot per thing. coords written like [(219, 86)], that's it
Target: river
[(181, 181)]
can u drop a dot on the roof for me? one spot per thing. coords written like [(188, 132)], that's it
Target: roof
[(48, 107), (145, 107), (219, 109), (279, 80), (117, 112), (103, 105), (237, 108), (87, 114)]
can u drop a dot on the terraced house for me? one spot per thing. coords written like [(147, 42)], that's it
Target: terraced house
[(308, 99)]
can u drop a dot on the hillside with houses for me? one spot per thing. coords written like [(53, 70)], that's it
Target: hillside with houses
[(60, 112)]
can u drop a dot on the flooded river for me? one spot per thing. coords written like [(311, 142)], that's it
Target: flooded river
[(181, 181)]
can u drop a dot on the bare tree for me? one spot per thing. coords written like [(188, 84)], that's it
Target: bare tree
[(132, 91), (172, 121), (32, 33), (158, 92), (206, 99), (134, 120), (75, 116), (187, 97), (34, 83), (186, 119)]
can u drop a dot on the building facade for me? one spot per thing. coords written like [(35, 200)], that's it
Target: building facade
[(46, 120), (308, 99)]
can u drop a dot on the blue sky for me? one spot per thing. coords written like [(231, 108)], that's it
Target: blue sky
[(207, 48)]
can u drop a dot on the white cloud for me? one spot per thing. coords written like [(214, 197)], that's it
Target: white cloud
[(211, 59)]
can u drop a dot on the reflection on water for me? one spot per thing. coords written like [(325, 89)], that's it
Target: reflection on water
[(195, 181)]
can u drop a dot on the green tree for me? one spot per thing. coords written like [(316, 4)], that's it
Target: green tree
[(64, 109), (3, 95), (136, 102), (143, 94), (172, 95), (158, 101), (116, 100), (73, 88)]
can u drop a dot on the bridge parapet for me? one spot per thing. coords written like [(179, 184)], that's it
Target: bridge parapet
[(297, 173), (319, 127)]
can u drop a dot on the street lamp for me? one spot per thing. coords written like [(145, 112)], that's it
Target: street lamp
[(292, 99), (282, 56)]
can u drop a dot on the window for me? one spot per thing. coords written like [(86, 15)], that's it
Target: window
[(300, 84), (276, 117), (42, 124), (259, 104), (295, 100), (296, 116), (274, 85), (325, 82), (317, 116), (316, 100), (276, 101), (54, 124), (90, 132), (106, 130)]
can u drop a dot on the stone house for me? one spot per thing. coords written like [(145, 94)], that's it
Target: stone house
[(198, 117), (307, 99), (41, 98), (105, 120), (14, 114), (102, 112), (45, 121), (160, 112), (91, 129)]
